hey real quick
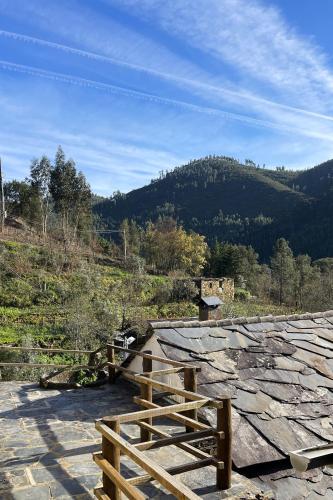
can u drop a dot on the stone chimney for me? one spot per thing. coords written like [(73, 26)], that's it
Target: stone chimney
[(210, 308)]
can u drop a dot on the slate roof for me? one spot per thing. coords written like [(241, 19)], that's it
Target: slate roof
[(279, 373)]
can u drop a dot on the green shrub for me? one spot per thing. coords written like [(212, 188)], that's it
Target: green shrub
[(242, 294)]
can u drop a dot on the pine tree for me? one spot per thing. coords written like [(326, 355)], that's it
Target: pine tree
[(283, 270)]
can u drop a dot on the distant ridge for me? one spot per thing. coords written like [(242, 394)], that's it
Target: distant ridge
[(224, 199)]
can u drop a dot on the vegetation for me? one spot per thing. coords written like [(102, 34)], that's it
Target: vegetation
[(53, 191), (297, 283), (220, 198), (65, 285)]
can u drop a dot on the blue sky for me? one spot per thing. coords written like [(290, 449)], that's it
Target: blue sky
[(133, 87)]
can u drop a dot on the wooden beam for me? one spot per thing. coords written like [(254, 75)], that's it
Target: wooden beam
[(44, 365), (190, 384), (175, 416), (224, 446), (183, 446), (111, 364), (192, 396), (166, 361), (177, 469), (125, 486), (160, 373), (120, 368), (176, 488), (100, 494), (43, 349), (111, 454), (159, 411), (146, 394), (178, 438)]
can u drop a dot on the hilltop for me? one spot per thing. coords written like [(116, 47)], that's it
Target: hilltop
[(221, 198)]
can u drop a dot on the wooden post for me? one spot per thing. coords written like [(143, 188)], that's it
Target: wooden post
[(2, 201), (146, 393), (111, 359), (112, 454), (224, 445), (190, 384)]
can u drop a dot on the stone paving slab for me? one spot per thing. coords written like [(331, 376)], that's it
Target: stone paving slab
[(47, 438)]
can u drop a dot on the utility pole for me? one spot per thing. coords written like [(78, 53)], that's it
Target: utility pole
[(2, 201)]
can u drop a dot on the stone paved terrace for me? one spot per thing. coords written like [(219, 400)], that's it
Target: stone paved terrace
[(47, 438)]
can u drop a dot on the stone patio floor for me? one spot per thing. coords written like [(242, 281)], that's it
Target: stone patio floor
[(47, 438)]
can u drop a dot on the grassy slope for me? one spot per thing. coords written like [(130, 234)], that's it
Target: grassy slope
[(25, 312)]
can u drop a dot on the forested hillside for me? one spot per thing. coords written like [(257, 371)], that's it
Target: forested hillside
[(226, 200)]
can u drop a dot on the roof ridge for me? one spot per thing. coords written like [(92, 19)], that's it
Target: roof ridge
[(238, 321)]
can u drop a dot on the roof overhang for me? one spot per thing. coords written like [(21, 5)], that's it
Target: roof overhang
[(309, 458)]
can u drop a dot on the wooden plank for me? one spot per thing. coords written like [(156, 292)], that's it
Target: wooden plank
[(159, 411), (120, 368), (44, 349), (100, 494), (111, 454), (192, 396), (44, 365), (146, 394), (190, 384), (116, 478), (224, 446), (177, 469), (111, 364), (160, 373), (175, 487), (176, 416), (178, 438), (166, 361), (183, 446), (164, 387)]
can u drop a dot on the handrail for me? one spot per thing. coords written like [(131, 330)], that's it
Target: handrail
[(113, 445), (145, 355), (44, 349), (20, 364)]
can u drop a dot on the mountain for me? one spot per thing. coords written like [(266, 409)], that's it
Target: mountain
[(224, 199)]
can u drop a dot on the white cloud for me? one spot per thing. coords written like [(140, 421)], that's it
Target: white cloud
[(215, 90), (281, 82), (253, 38), (153, 98)]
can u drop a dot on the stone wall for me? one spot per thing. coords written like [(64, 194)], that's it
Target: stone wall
[(224, 288)]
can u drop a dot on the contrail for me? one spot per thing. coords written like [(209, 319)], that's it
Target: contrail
[(118, 90), (159, 74)]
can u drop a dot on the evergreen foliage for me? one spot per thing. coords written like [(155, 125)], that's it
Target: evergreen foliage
[(58, 190), (221, 198)]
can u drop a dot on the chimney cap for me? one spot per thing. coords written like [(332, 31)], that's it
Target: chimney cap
[(212, 301)]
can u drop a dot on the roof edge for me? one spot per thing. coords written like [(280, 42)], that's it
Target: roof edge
[(238, 321)]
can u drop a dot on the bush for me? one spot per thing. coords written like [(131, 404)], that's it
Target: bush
[(163, 293), (135, 264), (183, 290), (242, 294), (16, 293)]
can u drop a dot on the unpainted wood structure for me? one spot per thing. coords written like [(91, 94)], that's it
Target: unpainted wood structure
[(113, 445)]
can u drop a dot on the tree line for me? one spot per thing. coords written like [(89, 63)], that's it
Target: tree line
[(290, 280), (287, 279), (55, 196)]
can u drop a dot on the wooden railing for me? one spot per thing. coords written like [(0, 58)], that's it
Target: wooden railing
[(113, 445), (90, 354)]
